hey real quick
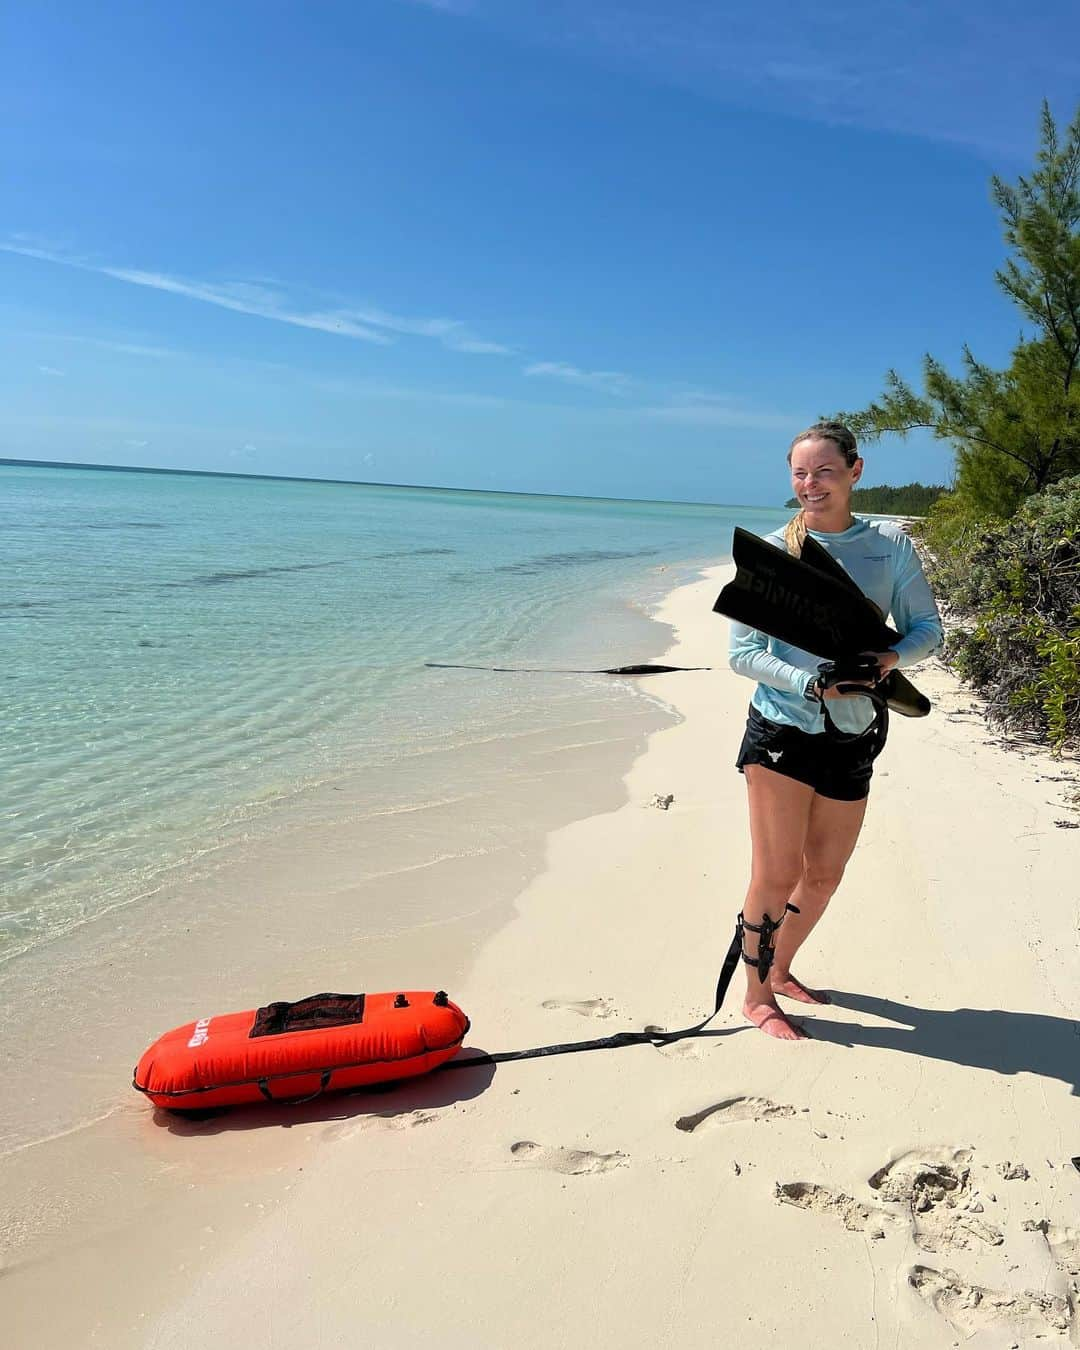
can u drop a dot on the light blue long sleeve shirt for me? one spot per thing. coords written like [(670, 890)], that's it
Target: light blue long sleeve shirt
[(881, 560)]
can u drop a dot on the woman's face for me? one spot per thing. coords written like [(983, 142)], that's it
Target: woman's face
[(821, 479)]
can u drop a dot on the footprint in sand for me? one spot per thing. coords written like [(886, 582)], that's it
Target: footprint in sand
[(935, 1186), (687, 1048), (896, 1179), (732, 1110), (405, 1120), (571, 1162), (970, 1308), (584, 1007), (856, 1217), (1064, 1244), (400, 1120)]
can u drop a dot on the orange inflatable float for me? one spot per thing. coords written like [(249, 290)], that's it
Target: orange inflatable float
[(295, 1051)]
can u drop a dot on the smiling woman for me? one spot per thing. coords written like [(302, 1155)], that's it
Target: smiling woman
[(807, 789)]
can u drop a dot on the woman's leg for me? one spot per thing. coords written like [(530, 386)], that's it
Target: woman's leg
[(830, 840), (779, 821)]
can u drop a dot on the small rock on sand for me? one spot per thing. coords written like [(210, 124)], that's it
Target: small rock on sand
[(1013, 1171)]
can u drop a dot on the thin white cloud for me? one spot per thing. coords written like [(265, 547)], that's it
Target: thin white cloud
[(125, 348), (451, 333), (477, 346), (699, 409), (604, 381), (672, 403), (368, 389), (137, 445), (244, 297), (446, 6), (241, 298), (51, 370)]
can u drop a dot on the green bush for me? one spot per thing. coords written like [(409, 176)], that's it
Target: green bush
[(1015, 586)]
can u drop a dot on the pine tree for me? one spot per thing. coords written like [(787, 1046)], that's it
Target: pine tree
[(1013, 430)]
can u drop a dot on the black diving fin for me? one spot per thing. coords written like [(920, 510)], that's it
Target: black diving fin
[(900, 694), (812, 603)]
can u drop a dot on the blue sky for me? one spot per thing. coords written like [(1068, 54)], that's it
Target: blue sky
[(613, 247)]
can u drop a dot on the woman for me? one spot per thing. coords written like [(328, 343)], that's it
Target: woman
[(807, 789)]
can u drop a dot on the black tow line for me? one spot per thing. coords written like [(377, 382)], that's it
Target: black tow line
[(544, 670), (655, 1036)]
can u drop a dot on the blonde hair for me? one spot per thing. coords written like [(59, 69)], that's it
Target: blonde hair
[(844, 440)]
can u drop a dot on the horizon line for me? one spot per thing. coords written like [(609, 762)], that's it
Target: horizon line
[(354, 482)]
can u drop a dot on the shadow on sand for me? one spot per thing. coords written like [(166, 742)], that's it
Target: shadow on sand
[(985, 1038), (387, 1100)]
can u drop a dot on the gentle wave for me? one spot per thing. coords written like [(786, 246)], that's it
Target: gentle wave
[(189, 659)]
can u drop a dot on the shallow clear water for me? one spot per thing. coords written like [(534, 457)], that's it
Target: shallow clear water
[(184, 655)]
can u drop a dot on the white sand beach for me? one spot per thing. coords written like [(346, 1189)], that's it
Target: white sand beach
[(900, 1179)]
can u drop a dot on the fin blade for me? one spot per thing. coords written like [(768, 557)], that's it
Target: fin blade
[(793, 601), (813, 604)]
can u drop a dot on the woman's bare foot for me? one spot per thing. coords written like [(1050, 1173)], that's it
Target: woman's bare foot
[(788, 986), (768, 1018)]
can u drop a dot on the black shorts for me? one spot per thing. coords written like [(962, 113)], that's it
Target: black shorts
[(837, 769)]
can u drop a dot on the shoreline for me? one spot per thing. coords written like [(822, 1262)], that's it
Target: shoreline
[(328, 882), (641, 1183), (70, 1023)]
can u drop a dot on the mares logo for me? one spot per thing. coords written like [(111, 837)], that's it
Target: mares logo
[(201, 1034)]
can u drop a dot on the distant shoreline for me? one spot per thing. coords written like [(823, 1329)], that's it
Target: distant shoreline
[(352, 482)]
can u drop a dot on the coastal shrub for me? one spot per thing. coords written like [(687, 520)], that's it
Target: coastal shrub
[(946, 535), (1013, 587)]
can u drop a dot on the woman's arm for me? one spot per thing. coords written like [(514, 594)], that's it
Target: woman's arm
[(914, 610), (749, 655)]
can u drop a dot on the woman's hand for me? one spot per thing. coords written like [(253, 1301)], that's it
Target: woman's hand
[(886, 661)]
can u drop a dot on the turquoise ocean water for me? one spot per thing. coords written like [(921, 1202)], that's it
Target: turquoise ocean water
[(186, 656)]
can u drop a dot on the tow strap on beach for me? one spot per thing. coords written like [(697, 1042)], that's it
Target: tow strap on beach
[(646, 669), (655, 1036)]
